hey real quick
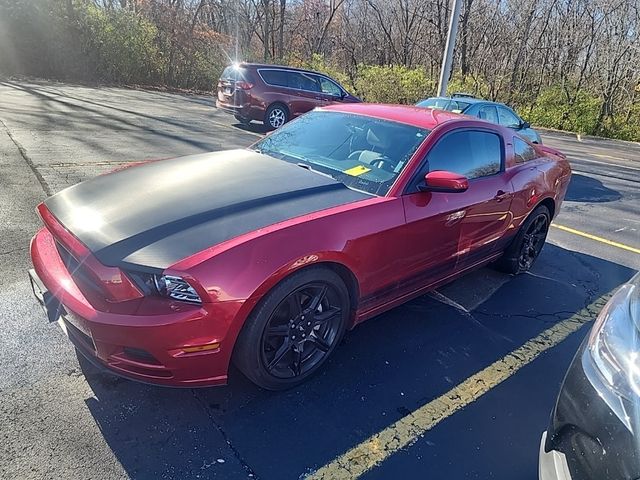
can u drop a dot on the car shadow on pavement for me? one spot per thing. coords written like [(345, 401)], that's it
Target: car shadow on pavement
[(587, 189), (253, 127), (77, 109), (385, 368)]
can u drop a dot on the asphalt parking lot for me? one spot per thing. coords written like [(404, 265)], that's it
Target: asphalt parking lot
[(60, 418)]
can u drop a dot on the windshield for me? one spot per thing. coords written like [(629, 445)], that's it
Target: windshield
[(455, 106), (364, 153)]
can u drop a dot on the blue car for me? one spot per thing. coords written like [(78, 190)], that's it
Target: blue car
[(484, 109)]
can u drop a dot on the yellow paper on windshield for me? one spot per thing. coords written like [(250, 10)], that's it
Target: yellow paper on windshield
[(359, 170)]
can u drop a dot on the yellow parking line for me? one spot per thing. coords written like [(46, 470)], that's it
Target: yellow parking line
[(408, 429), (596, 238), (609, 157)]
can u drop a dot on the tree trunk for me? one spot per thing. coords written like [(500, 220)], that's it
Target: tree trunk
[(464, 38)]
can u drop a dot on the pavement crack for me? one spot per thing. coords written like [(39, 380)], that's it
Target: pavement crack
[(12, 251), (468, 315), (226, 438), (23, 153)]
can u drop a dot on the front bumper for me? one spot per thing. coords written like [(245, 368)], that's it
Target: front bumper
[(584, 430), (552, 465), (145, 340)]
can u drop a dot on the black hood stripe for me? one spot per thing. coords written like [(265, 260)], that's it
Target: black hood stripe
[(151, 219), (130, 245)]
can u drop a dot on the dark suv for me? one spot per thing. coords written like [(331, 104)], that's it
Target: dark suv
[(275, 94)]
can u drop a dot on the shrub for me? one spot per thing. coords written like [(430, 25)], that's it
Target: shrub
[(121, 45), (553, 110), (392, 84)]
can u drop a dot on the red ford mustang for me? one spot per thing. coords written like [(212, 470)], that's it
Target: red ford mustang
[(166, 272)]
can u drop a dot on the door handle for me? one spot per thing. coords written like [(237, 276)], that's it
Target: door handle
[(501, 195)]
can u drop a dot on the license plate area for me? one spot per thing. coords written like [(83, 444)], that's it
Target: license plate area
[(52, 307)]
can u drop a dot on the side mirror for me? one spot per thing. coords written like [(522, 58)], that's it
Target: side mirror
[(524, 124), (444, 181)]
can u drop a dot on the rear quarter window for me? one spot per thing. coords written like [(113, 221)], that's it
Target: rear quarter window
[(522, 151), (277, 78)]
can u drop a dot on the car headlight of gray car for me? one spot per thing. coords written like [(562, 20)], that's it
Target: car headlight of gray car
[(612, 358)]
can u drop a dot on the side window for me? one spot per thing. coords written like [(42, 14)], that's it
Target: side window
[(277, 78), (470, 153), (507, 118), (456, 106), (302, 81), (329, 87), (488, 113), (522, 151)]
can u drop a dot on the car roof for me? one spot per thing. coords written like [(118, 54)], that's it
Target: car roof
[(469, 100), (461, 99), (281, 67), (417, 116)]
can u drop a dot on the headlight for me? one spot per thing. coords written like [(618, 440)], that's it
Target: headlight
[(166, 286), (614, 342), (613, 351), (176, 287)]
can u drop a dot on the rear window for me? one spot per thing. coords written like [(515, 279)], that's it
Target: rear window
[(234, 73), (455, 106)]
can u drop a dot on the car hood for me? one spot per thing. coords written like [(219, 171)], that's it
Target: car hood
[(152, 215)]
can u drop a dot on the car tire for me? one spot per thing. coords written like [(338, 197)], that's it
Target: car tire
[(527, 244), (244, 121), (288, 337), (276, 115)]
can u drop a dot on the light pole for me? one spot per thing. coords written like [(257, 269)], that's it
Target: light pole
[(447, 60)]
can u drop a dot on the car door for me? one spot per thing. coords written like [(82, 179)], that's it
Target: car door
[(433, 222), (329, 90), (304, 92), (488, 113), (476, 220), (485, 225), (431, 235)]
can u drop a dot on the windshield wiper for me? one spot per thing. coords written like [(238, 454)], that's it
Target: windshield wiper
[(306, 166)]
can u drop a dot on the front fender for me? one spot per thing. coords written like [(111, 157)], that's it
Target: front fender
[(244, 269)]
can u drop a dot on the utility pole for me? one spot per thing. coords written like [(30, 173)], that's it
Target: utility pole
[(447, 60)]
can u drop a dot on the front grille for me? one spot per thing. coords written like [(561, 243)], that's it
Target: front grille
[(140, 355)]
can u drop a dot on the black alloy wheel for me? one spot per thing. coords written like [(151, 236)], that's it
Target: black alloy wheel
[(294, 329), (527, 244), (533, 241), (302, 330)]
